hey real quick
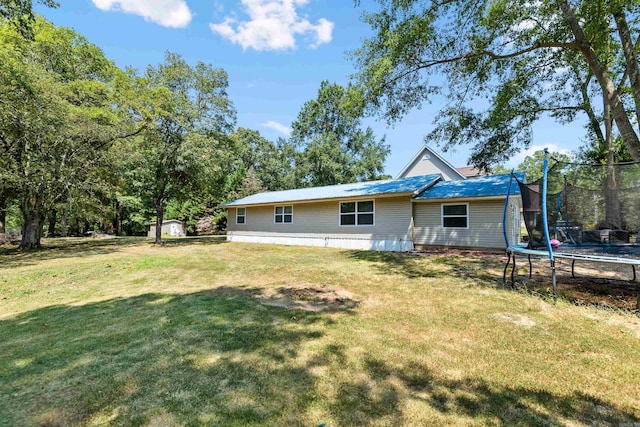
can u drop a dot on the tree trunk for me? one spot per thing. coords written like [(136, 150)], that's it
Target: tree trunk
[(53, 217), (32, 221), (159, 204), (613, 219), (631, 58), (63, 224), (3, 214), (627, 132), (117, 219)]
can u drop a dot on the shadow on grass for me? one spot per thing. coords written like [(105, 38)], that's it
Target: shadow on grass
[(467, 265), (210, 357), (406, 265), (478, 268), (219, 357), (381, 396), (82, 247)]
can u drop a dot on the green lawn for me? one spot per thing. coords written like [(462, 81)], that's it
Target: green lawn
[(204, 332)]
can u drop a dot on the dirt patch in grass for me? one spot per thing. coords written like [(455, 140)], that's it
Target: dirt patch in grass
[(309, 297), (597, 284), (516, 319), (587, 290)]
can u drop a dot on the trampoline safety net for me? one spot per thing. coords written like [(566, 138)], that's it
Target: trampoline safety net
[(587, 204)]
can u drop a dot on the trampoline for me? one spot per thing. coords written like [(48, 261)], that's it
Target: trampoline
[(591, 214)]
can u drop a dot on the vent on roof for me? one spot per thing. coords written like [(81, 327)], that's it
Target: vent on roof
[(426, 157)]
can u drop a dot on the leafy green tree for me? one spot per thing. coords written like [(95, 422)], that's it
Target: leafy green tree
[(333, 148), (172, 157), (516, 54), (272, 163), (20, 13), (245, 162), (532, 166), (63, 104)]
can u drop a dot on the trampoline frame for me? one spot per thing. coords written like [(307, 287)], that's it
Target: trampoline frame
[(513, 250)]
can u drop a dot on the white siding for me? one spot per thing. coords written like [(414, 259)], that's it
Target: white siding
[(317, 224), (485, 225), (171, 228)]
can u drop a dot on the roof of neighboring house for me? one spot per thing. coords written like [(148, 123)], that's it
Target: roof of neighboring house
[(414, 184), (426, 150), (470, 171), (484, 186)]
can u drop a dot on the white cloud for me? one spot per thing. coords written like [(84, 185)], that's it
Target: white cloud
[(519, 158), (279, 127), (168, 13), (273, 25)]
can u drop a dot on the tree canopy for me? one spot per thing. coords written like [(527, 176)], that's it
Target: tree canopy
[(174, 153), (334, 149), (20, 13), (87, 146), (501, 65), (62, 105)]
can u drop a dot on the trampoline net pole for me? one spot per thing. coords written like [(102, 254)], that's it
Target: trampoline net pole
[(553, 279), (504, 213), (545, 221)]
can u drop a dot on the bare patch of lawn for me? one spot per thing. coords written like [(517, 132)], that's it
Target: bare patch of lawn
[(209, 333)]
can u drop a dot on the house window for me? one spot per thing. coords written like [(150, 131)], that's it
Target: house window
[(283, 214), (455, 216), (241, 215), (357, 213)]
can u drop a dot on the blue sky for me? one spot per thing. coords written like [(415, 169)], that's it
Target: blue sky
[(276, 53)]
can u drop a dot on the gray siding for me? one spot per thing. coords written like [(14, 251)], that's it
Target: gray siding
[(321, 219), (485, 225), (433, 165)]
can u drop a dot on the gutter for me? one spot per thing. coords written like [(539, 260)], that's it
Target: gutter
[(463, 198), (331, 199)]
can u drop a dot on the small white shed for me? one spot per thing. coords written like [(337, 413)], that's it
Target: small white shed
[(171, 227)]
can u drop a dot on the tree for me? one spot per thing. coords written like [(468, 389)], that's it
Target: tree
[(516, 54), (333, 147), (272, 163), (558, 166), (63, 104), (192, 114), (20, 13)]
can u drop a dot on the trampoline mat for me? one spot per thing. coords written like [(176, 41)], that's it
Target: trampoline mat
[(631, 251)]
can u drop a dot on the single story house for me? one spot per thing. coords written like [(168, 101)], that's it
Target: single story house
[(171, 227), (391, 215)]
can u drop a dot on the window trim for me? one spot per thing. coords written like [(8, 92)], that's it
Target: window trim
[(282, 214), (442, 216), (356, 212), (244, 216)]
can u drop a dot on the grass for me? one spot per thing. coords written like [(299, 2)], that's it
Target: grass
[(125, 333)]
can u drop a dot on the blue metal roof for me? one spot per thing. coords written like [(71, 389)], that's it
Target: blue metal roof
[(493, 185), (369, 188)]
